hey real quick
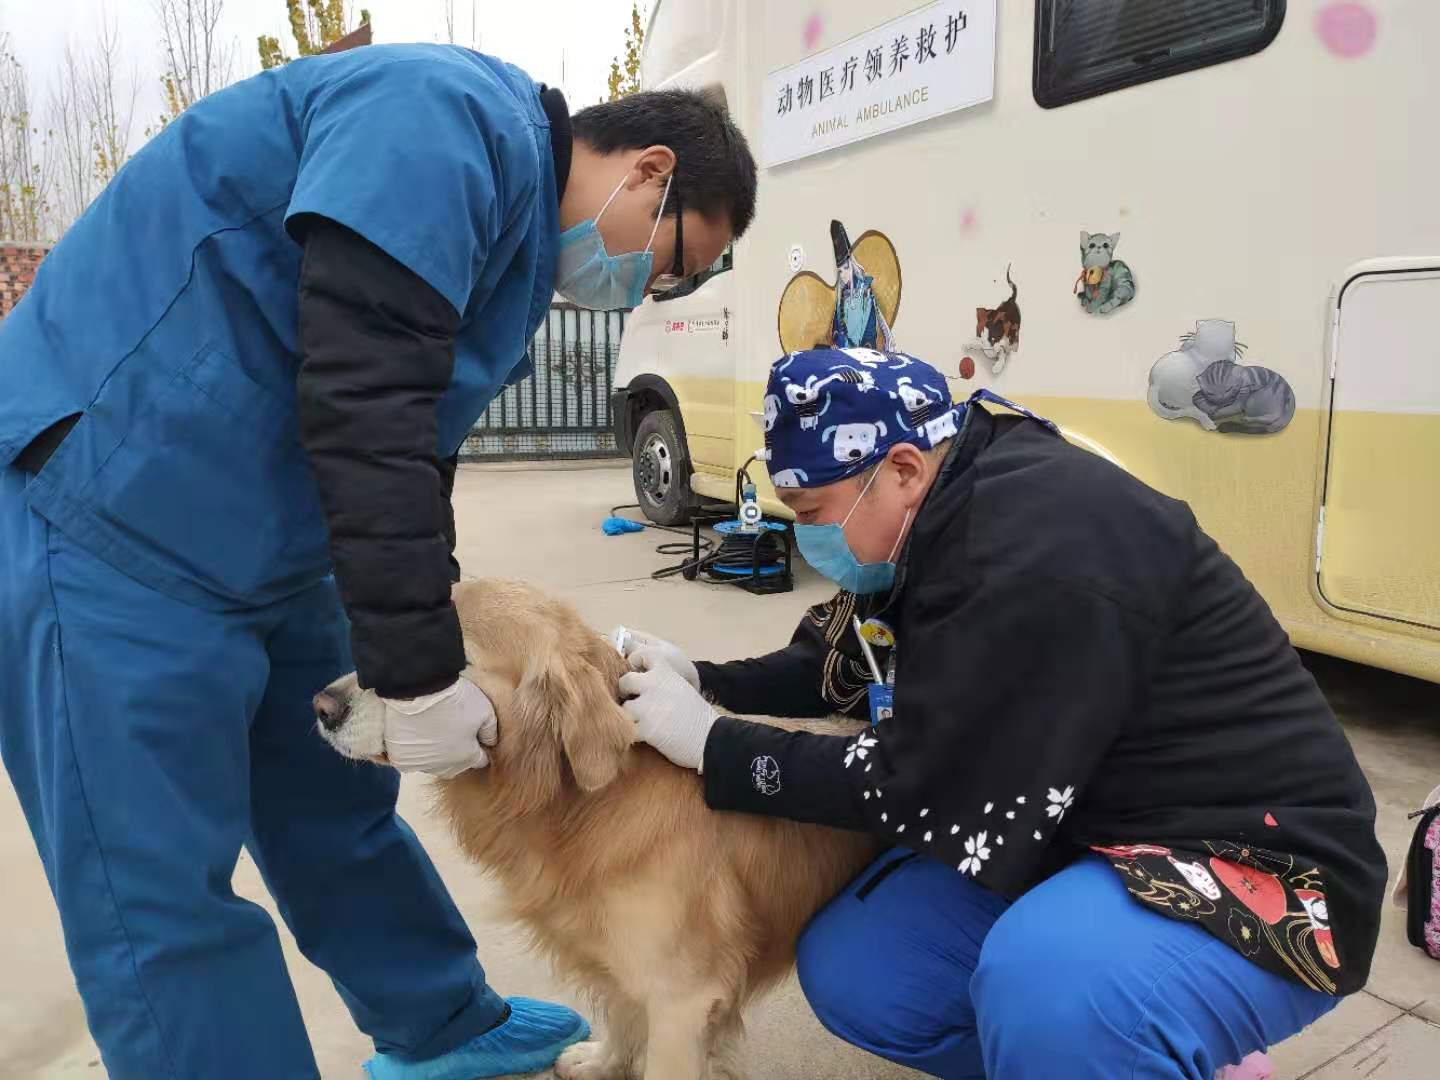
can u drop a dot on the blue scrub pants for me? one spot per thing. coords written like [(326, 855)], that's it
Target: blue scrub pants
[(148, 741), (1076, 979)]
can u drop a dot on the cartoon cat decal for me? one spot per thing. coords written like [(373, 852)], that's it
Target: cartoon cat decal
[(1105, 282), (1203, 381)]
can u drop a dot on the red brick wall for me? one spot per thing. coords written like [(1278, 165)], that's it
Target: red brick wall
[(17, 270)]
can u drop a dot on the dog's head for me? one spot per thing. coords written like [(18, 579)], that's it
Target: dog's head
[(553, 683)]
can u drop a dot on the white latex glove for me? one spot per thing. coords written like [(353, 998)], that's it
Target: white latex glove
[(648, 653), (669, 714), (441, 734)]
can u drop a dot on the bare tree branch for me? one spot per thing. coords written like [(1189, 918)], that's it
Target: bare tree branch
[(27, 165), (197, 58), (109, 105), (91, 115), (75, 144)]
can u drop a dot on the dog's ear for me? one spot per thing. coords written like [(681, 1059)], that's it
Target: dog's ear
[(574, 691), (598, 733), (527, 737)]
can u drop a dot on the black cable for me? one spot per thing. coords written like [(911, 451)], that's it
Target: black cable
[(736, 551), (707, 545)]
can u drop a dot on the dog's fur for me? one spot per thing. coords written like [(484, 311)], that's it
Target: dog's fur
[(669, 915)]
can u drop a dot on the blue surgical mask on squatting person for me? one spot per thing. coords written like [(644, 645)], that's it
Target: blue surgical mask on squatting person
[(825, 548), (587, 275)]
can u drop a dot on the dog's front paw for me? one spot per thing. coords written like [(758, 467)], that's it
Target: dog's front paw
[(589, 1061)]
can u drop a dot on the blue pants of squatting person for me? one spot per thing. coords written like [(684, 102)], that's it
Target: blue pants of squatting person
[(918, 964), (147, 741)]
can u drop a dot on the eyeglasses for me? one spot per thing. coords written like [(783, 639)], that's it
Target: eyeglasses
[(666, 282)]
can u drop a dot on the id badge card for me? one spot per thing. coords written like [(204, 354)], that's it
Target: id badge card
[(882, 703)]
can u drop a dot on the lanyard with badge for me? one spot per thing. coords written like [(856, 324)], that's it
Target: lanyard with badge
[(876, 633), (881, 690)]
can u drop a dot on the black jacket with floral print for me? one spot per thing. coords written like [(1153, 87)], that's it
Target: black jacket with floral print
[(1079, 669)]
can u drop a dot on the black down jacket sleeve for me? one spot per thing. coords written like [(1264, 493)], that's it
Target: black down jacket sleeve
[(447, 488), (378, 350)]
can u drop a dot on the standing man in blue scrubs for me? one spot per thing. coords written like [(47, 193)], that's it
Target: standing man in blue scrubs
[(229, 409)]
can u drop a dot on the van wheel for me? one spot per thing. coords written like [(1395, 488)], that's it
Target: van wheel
[(660, 467)]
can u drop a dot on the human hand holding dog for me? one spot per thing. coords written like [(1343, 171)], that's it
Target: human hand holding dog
[(669, 714), (645, 652), (441, 734)]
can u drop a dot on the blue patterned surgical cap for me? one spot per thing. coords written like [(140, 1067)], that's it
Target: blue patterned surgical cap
[(832, 413)]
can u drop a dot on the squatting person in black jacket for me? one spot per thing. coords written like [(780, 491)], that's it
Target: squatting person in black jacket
[(1129, 836)]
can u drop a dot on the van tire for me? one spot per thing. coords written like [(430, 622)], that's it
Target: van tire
[(660, 467)]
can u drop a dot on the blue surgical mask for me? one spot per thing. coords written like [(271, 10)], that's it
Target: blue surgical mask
[(587, 275), (825, 548)]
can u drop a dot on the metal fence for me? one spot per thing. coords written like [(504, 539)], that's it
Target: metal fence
[(563, 409)]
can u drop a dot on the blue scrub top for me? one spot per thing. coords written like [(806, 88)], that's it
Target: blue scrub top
[(168, 314)]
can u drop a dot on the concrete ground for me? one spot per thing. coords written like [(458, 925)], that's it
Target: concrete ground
[(543, 525)]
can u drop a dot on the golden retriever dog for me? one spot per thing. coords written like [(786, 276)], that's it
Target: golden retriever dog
[(669, 916)]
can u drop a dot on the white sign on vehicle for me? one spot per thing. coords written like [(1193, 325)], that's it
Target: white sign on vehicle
[(935, 60)]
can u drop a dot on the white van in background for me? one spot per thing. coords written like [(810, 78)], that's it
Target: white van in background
[(1220, 221)]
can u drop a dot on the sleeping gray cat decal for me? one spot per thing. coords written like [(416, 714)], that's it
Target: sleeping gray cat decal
[(1203, 380)]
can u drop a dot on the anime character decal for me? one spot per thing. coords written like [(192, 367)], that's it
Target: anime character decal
[(1203, 381), (854, 315), (858, 310)]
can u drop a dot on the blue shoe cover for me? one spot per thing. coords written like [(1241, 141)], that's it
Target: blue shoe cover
[(614, 526), (529, 1040)]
